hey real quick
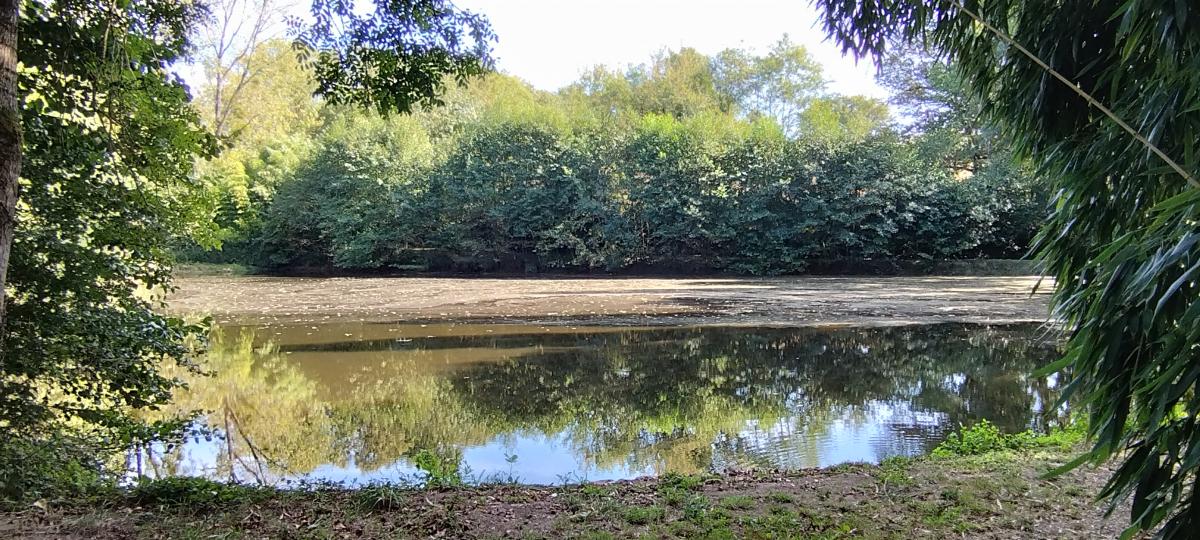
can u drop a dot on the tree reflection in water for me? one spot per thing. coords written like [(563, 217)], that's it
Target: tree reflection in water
[(359, 402)]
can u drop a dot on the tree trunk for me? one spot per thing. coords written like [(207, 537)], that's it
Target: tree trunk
[(10, 144)]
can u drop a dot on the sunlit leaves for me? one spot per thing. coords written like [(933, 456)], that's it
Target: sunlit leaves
[(396, 56), (1120, 243), (109, 144)]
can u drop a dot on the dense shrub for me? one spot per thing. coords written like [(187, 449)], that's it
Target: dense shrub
[(734, 163), (700, 194)]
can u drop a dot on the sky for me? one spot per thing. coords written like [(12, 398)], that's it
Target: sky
[(549, 43)]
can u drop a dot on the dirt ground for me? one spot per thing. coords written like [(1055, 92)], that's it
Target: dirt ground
[(992, 497), (791, 301)]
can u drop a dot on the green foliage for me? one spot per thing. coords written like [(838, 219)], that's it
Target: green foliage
[(1122, 240), (844, 120), (341, 207), (737, 502), (781, 497), (194, 493), (109, 146), (701, 193), (440, 471), (270, 118), (733, 163), (394, 57), (53, 466), (521, 193), (984, 437), (381, 497), (779, 85), (894, 470), (679, 489), (643, 515), (686, 482)]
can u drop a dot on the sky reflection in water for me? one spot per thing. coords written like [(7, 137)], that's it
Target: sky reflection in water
[(356, 403)]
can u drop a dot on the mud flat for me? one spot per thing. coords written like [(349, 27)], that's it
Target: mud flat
[(790, 301)]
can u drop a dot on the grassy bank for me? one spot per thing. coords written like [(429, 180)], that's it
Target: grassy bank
[(997, 494)]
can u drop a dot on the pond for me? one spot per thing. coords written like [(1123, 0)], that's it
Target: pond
[(365, 402)]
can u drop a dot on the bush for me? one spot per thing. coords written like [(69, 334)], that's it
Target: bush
[(691, 195), (985, 437), (982, 438), (193, 492), (51, 467)]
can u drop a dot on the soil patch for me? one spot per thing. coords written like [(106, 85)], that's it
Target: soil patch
[(791, 301), (999, 496)]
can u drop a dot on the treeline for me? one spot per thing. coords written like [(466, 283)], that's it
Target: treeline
[(737, 163)]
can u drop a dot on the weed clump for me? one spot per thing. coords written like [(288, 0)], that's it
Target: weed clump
[(194, 492), (381, 497), (644, 515), (984, 437)]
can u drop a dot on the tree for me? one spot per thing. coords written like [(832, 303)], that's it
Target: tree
[(944, 114), (843, 119), (589, 178), (346, 204), (397, 56), (779, 85), (229, 37), (270, 132), (679, 83), (10, 148), (109, 144), (1103, 93)]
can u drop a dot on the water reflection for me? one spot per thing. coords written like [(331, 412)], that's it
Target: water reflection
[(359, 402)]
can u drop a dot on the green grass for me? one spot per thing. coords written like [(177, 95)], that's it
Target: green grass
[(782, 498), (194, 493), (893, 471), (1000, 493), (688, 482), (984, 437), (382, 497), (737, 502), (644, 515)]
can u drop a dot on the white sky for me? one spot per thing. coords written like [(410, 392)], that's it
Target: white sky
[(549, 43)]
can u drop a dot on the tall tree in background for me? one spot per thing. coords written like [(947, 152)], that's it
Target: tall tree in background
[(10, 146), (780, 84), (1104, 93), (675, 83), (941, 109), (843, 119), (229, 37)]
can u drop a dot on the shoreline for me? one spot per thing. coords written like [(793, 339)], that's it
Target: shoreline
[(1000, 494)]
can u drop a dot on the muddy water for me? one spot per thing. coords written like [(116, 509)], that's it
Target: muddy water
[(363, 402)]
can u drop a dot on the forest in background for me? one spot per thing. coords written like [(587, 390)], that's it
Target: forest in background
[(739, 162)]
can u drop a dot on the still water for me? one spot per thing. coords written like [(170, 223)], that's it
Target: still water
[(360, 403)]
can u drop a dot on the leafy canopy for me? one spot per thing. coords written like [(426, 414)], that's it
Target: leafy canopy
[(1120, 142), (109, 143), (108, 182), (394, 57)]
